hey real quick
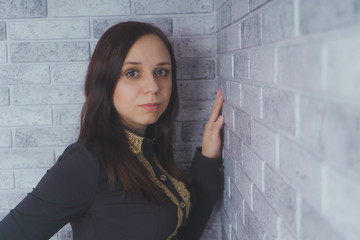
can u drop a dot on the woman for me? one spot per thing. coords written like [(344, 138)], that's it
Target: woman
[(119, 180)]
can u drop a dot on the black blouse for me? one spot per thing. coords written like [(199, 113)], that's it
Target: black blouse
[(76, 190)]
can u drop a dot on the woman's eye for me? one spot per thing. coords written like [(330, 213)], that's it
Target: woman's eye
[(132, 73), (162, 72)]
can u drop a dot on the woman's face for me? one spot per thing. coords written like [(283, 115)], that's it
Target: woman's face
[(144, 89)]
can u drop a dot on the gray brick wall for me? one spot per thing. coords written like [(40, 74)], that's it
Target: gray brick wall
[(45, 46), (290, 72)]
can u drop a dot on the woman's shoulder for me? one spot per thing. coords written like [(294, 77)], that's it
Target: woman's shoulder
[(80, 157), (74, 176), (81, 151)]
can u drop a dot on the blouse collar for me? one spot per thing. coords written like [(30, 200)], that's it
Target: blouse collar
[(136, 140)]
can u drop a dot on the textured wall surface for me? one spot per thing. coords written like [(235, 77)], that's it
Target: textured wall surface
[(290, 69), (45, 46)]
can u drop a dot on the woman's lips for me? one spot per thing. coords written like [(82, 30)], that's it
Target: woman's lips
[(151, 106)]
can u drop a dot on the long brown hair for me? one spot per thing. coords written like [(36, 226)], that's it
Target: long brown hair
[(100, 123)]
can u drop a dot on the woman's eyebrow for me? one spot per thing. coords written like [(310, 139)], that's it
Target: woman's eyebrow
[(138, 63), (164, 63)]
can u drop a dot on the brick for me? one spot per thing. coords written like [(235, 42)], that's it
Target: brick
[(264, 213), (250, 32), (223, 17), (65, 234), (314, 226), (226, 225), (55, 237), (50, 29), (196, 69), (6, 180), (343, 196), (252, 227), (235, 147), (199, 25), (239, 8), (221, 41), (341, 128), (4, 96), (23, 9), (229, 211), (192, 132), (3, 53), (263, 143), (172, 6), (197, 47), (342, 56), (49, 52), (195, 111), (253, 167), (312, 114), (229, 166), (198, 90), (45, 137), (241, 231), (66, 73), (233, 93), (219, 3), (228, 114), (301, 170), (281, 196), (25, 116), (256, 3), (243, 183), (278, 22), (262, 65), (279, 109), (183, 152), (10, 199), (5, 139), (243, 126), (236, 201), (69, 8), (300, 66), (28, 178), (285, 233), (65, 115), (226, 138), (241, 65), (26, 158), (48, 94), (101, 25), (233, 38), (2, 31), (24, 74), (320, 15), (227, 181), (250, 99), (227, 66)]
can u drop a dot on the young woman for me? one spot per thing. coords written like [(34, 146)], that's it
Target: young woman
[(119, 180)]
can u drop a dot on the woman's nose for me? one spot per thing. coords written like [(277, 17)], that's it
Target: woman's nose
[(151, 84)]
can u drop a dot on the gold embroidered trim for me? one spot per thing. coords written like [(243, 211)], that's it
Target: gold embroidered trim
[(179, 186), (135, 142), (165, 189)]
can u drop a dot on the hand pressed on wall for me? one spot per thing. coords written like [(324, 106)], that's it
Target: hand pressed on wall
[(211, 143)]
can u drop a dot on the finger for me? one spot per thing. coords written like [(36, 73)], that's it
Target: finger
[(216, 107), (218, 124)]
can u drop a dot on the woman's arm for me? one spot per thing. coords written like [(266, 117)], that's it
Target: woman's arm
[(64, 192), (206, 175)]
